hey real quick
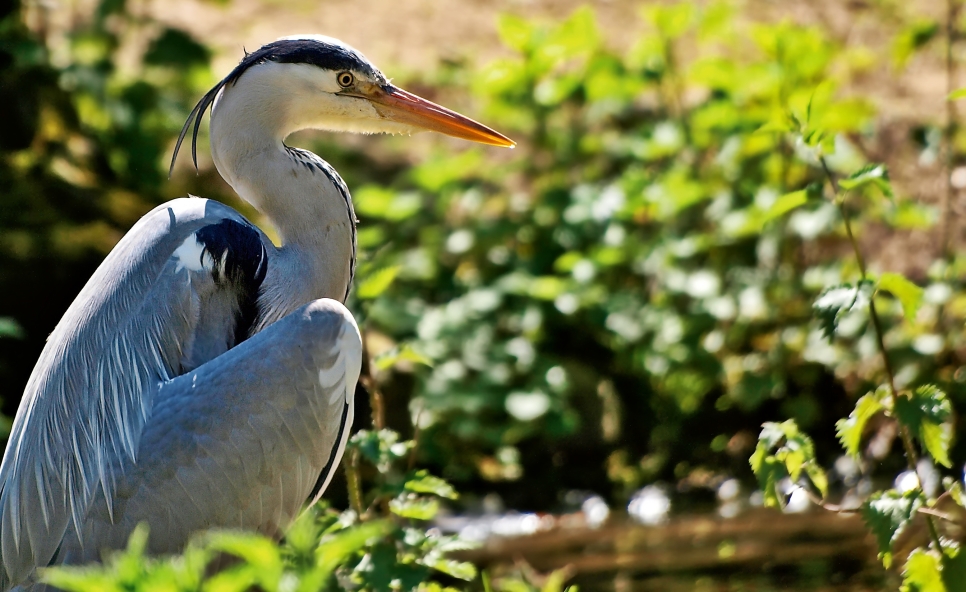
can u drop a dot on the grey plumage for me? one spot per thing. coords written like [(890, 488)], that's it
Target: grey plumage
[(204, 377), (148, 316)]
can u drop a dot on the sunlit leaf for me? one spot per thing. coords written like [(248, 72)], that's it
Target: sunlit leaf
[(850, 430), (423, 482), (922, 572), (911, 39), (886, 513), (515, 32), (406, 353), (376, 283), (785, 204), (836, 301), (874, 175), (908, 293), (954, 567), (928, 413), (416, 508)]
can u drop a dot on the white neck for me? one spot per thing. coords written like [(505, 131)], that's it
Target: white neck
[(305, 200)]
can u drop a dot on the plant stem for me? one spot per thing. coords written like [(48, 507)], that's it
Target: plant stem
[(952, 9), (912, 458), (372, 387), (353, 481)]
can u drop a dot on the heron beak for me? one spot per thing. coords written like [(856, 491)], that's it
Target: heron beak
[(404, 107)]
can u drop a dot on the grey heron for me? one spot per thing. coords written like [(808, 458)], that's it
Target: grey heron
[(204, 376)]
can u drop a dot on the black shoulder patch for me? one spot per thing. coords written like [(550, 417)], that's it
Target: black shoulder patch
[(241, 263)]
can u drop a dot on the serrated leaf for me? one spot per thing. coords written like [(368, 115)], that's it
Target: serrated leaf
[(423, 482), (875, 175), (463, 570), (908, 293), (785, 204), (849, 430), (381, 448), (793, 454), (922, 572), (836, 301), (415, 508), (784, 125), (954, 568), (928, 414), (406, 353), (816, 474), (377, 282), (514, 32), (886, 513)]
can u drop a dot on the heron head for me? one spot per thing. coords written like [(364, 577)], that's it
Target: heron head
[(321, 83)]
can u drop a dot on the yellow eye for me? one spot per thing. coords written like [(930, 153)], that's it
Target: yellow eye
[(345, 79)]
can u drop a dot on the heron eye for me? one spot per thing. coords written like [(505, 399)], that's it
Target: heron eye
[(345, 79)]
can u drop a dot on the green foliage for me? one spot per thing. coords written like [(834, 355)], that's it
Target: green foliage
[(665, 246), (922, 573), (837, 301), (784, 451), (317, 545), (872, 175), (887, 513), (928, 414), (851, 429), (908, 293)]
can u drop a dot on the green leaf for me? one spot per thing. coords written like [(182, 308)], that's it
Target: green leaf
[(381, 448), (816, 474), (422, 482), (957, 94), (911, 39), (928, 414), (377, 282), (875, 175), (463, 570), (886, 513), (334, 551), (908, 293), (413, 507), (406, 353), (793, 454), (836, 301), (849, 430), (922, 572), (515, 32), (785, 204), (954, 567)]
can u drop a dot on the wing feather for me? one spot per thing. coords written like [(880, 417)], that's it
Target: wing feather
[(91, 393)]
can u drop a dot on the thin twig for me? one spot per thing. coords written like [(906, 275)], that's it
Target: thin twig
[(417, 432), (952, 9), (912, 457), (369, 383), (354, 482)]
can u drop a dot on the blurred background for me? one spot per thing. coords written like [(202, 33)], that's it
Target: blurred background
[(597, 322)]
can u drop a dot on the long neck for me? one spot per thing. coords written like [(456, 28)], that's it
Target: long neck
[(303, 197)]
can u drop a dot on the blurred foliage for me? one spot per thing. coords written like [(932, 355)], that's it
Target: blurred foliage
[(628, 295), (81, 157)]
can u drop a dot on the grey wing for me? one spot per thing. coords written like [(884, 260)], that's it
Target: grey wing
[(241, 441), (139, 321)]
